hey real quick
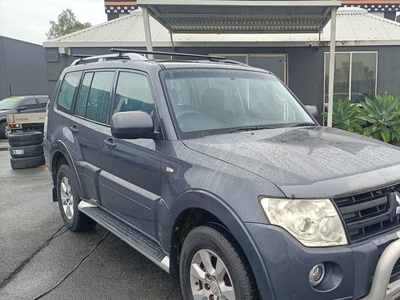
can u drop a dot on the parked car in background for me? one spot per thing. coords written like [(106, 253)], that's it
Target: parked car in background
[(19, 104)]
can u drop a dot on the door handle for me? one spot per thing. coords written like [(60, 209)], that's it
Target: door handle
[(110, 143), (74, 129)]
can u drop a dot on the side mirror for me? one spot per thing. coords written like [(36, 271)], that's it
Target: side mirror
[(132, 125), (21, 108), (313, 110)]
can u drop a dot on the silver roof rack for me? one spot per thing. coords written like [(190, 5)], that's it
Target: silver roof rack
[(134, 54), (124, 51), (85, 58)]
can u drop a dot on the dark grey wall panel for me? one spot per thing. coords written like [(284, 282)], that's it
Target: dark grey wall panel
[(306, 68), (389, 70), (3, 78), (54, 67), (52, 55), (24, 67)]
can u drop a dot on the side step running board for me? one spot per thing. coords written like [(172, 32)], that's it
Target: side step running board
[(132, 237)]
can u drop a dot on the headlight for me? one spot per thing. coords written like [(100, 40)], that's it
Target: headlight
[(314, 223)]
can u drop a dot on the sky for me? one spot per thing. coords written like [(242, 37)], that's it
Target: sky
[(28, 20)]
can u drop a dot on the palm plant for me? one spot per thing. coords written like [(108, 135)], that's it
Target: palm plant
[(345, 116)]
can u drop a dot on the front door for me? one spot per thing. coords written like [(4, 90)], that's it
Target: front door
[(130, 179)]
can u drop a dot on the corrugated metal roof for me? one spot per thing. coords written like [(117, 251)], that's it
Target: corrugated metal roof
[(221, 16), (359, 26), (354, 27)]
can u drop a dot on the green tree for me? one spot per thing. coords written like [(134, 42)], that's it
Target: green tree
[(67, 23)]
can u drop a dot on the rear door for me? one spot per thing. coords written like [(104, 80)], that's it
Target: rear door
[(130, 179), (88, 124)]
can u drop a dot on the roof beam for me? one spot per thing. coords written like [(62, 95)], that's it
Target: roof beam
[(248, 16), (238, 31), (246, 3), (242, 25)]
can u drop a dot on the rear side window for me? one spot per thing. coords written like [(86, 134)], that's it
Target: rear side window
[(68, 88), (133, 93), (94, 96), (28, 104), (81, 103)]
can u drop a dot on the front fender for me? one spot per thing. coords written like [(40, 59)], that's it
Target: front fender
[(211, 203)]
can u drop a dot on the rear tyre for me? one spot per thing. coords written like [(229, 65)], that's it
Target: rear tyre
[(213, 266), (25, 138), (26, 151), (7, 131), (27, 162), (68, 200)]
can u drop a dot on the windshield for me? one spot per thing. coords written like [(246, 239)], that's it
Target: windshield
[(206, 101), (9, 103)]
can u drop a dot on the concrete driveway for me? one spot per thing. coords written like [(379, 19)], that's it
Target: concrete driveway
[(37, 251)]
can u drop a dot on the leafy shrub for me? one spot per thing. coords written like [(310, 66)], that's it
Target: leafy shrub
[(345, 116), (383, 114)]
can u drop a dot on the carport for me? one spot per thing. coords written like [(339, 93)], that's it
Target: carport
[(252, 16)]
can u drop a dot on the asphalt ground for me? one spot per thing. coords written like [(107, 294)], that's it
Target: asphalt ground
[(37, 251), (3, 145)]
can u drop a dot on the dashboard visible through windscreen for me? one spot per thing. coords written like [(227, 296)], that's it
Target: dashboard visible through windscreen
[(205, 101)]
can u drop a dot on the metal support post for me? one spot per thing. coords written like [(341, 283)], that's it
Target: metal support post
[(147, 31), (332, 65)]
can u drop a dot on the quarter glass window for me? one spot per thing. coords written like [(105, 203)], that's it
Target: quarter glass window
[(67, 91)]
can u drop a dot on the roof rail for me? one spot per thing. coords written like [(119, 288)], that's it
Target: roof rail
[(86, 57), (235, 62), (134, 54), (212, 58)]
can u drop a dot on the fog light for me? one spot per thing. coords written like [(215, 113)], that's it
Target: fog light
[(317, 274)]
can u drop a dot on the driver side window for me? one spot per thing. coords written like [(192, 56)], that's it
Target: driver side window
[(133, 94)]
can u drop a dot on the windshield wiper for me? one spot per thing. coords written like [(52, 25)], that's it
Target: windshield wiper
[(303, 124), (242, 129)]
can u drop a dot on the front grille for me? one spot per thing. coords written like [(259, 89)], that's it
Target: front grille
[(369, 214)]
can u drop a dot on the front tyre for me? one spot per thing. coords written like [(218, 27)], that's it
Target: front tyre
[(213, 266), (68, 200)]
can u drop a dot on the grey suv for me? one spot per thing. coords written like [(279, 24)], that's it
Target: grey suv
[(216, 172)]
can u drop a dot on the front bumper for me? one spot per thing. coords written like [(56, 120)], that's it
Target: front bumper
[(349, 269), (381, 289)]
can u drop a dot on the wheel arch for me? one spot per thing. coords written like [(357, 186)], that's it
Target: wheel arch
[(196, 207), (60, 156), (2, 130)]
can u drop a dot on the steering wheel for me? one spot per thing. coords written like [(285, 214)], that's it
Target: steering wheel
[(187, 112)]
